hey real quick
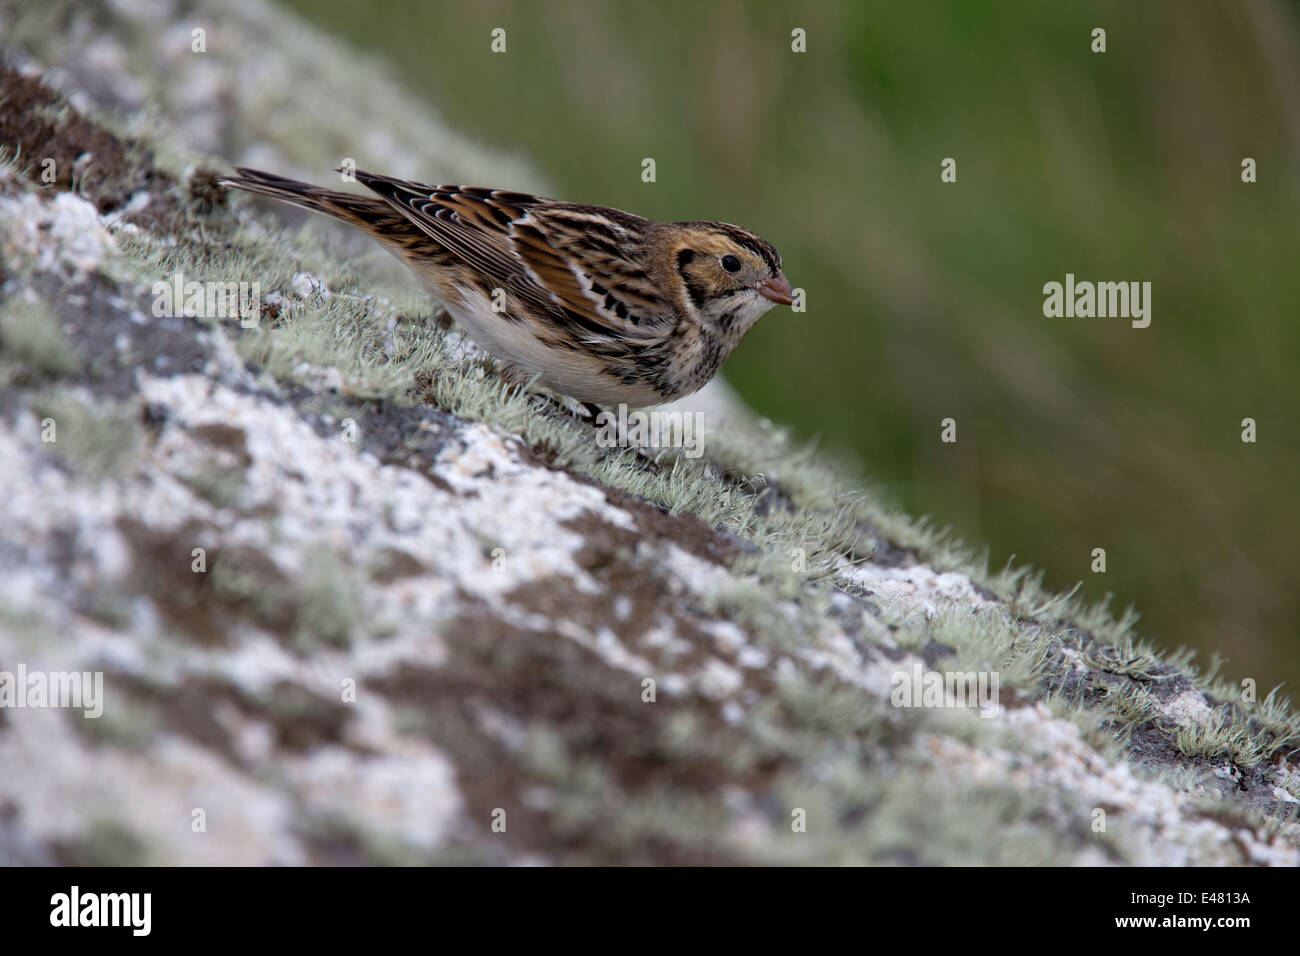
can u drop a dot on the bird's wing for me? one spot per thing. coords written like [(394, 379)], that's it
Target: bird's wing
[(576, 264)]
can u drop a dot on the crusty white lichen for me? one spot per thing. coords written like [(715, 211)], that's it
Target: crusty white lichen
[(352, 594)]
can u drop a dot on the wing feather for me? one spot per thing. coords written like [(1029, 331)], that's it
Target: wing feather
[(572, 263)]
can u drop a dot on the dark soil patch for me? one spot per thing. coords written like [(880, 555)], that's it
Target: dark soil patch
[(100, 320), (592, 712), (40, 125), (240, 584), (301, 719), (686, 531), (226, 438), (394, 564)]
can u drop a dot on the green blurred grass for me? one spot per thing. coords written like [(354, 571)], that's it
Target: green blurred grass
[(925, 298)]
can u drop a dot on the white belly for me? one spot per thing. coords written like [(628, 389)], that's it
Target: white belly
[(562, 370)]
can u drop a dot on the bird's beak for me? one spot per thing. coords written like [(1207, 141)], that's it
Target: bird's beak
[(777, 289)]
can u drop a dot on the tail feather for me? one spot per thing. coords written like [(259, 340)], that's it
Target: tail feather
[(376, 216)]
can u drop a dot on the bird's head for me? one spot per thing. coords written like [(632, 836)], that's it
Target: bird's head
[(730, 277)]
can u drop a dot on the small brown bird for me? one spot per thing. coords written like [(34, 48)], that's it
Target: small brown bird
[(595, 303)]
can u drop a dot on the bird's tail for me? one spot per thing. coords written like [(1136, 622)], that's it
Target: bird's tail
[(376, 216)]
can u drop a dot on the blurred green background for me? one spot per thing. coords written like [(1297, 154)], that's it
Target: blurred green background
[(925, 298)]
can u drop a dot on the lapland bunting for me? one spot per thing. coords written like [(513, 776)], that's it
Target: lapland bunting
[(594, 303)]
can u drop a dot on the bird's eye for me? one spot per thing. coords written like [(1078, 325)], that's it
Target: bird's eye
[(731, 263)]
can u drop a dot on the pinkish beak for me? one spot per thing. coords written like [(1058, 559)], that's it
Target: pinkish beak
[(777, 289)]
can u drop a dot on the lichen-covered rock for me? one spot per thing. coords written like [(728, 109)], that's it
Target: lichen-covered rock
[(354, 599)]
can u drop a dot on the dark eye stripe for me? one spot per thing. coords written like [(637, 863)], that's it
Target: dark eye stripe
[(760, 247)]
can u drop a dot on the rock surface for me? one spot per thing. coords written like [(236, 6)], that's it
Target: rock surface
[(355, 600)]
